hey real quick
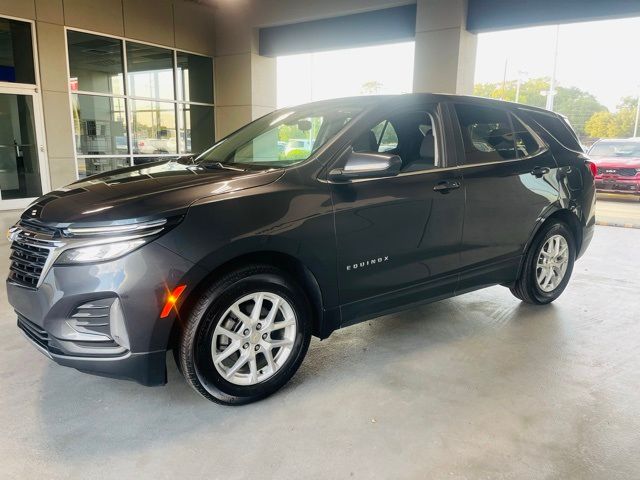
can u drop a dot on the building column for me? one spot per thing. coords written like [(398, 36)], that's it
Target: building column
[(245, 82), (55, 93), (445, 51)]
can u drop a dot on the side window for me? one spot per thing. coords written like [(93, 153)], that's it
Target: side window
[(526, 143), (486, 133), (389, 139), (386, 137), (557, 128), (410, 135)]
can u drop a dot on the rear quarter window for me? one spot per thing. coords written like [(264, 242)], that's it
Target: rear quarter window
[(557, 128)]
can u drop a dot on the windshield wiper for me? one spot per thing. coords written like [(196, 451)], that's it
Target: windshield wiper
[(221, 165)]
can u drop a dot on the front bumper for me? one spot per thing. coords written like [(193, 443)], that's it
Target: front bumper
[(618, 185), (104, 318)]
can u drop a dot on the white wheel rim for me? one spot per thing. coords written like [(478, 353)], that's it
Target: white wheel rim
[(254, 338), (553, 260)]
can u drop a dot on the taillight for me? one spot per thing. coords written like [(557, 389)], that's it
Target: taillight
[(592, 167)]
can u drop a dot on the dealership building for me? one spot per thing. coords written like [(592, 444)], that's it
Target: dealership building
[(89, 86)]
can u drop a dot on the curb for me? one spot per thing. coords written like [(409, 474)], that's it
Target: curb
[(614, 224)]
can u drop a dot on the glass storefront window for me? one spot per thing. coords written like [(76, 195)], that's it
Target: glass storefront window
[(150, 71), (195, 78), (100, 125), (133, 104), (196, 128), (95, 63), (16, 52), (93, 165), (153, 127)]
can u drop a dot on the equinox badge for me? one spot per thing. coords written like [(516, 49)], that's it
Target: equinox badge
[(366, 263)]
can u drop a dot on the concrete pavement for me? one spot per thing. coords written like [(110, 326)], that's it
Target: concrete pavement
[(619, 210), (480, 386)]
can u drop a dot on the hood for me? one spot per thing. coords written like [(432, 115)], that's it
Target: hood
[(141, 193), (617, 162)]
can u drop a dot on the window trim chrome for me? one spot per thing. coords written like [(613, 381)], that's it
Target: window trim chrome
[(443, 169)]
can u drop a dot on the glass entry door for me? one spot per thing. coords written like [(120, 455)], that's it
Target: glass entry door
[(21, 148)]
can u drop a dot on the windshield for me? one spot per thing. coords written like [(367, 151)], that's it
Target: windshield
[(615, 149), (282, 138)]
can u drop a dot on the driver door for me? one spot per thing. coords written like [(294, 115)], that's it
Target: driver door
[(398, 238)]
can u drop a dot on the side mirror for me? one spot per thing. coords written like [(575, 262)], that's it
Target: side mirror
[(366, 165)]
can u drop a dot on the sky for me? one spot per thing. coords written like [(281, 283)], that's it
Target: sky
[(341, 73), (599, 57)]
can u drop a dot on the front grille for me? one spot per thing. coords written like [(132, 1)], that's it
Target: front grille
[(30, 250), (27, 262), (627, 172), (622, 172)]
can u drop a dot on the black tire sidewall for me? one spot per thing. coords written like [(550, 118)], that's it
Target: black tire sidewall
[(541, 296), (220, 300)]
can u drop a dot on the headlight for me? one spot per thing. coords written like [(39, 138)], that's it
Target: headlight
[(103, 243), (98, 253)]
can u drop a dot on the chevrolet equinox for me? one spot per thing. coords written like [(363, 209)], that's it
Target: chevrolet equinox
[(235, 258)]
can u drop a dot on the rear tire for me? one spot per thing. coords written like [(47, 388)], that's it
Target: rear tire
[(547, 266), (246, 335)]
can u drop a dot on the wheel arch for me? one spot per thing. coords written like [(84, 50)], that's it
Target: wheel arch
[(283, 261), (569, 218), (565, 215)]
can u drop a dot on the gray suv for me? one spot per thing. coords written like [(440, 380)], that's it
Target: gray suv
[(234, 259)]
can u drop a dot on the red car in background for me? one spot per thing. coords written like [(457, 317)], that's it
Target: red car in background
[(618, 163)]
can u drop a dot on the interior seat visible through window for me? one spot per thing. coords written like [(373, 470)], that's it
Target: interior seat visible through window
[(409, 135)]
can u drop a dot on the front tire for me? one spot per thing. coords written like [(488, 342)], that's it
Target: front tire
[(548, 265), (246, 335)]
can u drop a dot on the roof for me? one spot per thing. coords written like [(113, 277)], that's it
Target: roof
[(372, 100)]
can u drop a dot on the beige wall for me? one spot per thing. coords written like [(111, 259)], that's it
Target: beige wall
[(172, 23)]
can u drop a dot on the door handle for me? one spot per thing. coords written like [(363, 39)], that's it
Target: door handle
[(446, 187), (540, 171)]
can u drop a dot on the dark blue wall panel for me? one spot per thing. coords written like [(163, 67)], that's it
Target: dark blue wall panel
[(488, 15), (371, 28)]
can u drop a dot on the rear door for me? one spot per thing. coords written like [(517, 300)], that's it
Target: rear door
[(510, 178), (398, 238)]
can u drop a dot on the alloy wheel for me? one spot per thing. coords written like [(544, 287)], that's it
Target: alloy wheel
[(254, 338), (552, 263)]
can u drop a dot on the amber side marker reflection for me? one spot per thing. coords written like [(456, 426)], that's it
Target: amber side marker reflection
[(171, 300)]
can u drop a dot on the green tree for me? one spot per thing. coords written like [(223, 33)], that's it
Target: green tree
[(614, 125), (578, 105), (372, 87), (598, 125)]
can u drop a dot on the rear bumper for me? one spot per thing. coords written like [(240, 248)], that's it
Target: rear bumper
[(587, 236), (104, 318)]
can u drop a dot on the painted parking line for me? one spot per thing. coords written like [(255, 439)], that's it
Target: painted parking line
[(615, 224)]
